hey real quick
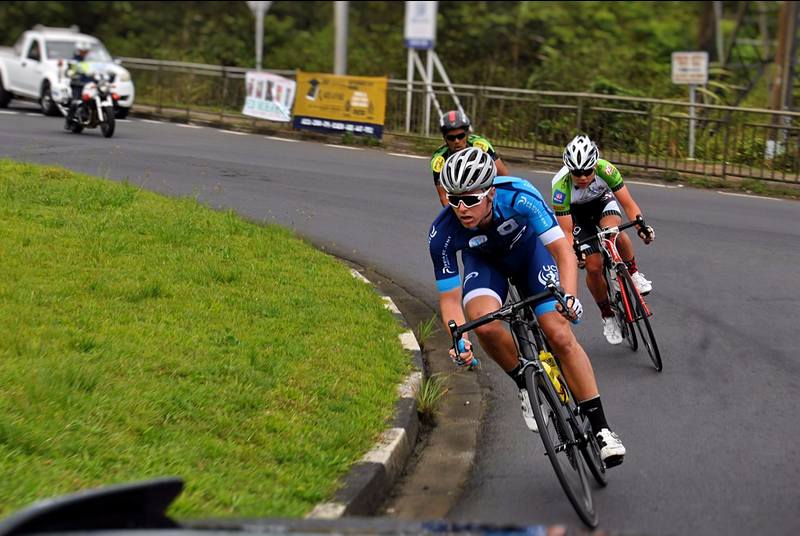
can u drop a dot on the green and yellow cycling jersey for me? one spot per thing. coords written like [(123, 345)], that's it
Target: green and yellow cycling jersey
[(606, 178), (441, 154)]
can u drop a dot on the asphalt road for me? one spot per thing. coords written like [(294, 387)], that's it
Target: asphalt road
[(712, 440)]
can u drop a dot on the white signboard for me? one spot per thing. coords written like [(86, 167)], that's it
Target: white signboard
[(269, 96), (690, 68), (420, 29)]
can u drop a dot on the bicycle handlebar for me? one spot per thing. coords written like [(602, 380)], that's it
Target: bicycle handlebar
[(506, 311), (638, 222)]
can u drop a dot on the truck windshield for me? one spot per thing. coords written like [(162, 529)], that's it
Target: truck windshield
[(65, 50)]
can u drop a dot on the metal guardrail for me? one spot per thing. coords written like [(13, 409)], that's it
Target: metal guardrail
[(639, 132)]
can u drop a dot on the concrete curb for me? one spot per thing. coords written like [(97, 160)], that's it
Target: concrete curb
[(370, 480)]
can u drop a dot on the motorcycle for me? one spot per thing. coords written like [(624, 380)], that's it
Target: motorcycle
[(96, 107)]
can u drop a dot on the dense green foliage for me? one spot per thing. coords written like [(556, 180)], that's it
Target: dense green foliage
[(608, 47)]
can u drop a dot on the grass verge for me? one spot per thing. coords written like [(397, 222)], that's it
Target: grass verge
[(145, 336)]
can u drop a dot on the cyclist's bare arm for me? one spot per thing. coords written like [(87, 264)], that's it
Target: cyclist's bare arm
[(625, 199), (450, 307), (565, 222), (564, 255), (502, 169)]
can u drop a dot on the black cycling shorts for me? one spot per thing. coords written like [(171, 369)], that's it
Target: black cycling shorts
[(586, 218)]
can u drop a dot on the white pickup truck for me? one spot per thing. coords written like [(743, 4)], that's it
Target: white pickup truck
[(31, 68)]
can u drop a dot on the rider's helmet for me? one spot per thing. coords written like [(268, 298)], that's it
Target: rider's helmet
[(452, 120), (82, 48), (581, 153), (468, 170)]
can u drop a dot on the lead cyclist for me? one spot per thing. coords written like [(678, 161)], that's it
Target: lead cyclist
[(585, 195)]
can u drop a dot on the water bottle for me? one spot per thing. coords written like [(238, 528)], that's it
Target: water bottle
[(551, 368)]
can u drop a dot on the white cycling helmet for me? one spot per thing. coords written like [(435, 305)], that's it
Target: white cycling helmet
[(468, 170), (581, 153), (83, 45)]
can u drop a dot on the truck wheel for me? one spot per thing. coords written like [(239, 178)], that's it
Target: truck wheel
[(5, 96), (46, 101)]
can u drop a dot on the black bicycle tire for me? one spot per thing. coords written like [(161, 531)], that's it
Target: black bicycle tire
[(641, 317), (628, 331), (537, 383), (591, 453)]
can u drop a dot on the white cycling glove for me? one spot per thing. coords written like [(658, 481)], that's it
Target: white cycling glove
[(575, 309)]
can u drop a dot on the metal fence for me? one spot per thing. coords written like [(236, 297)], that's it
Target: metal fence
[(645, 133)]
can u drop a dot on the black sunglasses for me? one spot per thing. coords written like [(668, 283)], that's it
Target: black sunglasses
[(454, 137), (582, 172), (469, 200)]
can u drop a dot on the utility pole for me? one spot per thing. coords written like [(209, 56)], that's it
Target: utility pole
[(340, 52), (782, 68), (782, 76), (259, 9)]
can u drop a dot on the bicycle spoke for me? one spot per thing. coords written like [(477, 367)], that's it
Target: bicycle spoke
[(561, 446)]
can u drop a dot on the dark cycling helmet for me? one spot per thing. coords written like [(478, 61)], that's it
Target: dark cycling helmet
[(452, 120), (468, 170), (581, 153)]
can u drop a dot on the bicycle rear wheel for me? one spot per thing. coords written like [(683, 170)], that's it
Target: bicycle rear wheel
[(641, 317), (560, 445), (591, 453)]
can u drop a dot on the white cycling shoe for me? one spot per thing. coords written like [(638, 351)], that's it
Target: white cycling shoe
[(642, 284), (612, 331), (527, 411), (612, 451)]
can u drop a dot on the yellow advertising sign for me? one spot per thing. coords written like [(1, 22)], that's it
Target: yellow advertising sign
[(341, 100)]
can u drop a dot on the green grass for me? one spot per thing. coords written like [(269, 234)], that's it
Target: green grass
[(429, 395), (143, 336)]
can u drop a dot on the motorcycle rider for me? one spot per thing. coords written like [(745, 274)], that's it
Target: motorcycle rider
[(78, 71)]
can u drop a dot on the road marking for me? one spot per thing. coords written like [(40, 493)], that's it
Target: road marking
[(151, 121), (31, 114), (750, 196), (8, 112), (409, 155), (668, 186), (123, 120), (343, 147), (232, 132), (186, 126), (281, 139)]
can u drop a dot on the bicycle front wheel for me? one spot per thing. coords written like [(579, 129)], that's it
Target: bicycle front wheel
[(641, 317), (560, 445), (618, 304)]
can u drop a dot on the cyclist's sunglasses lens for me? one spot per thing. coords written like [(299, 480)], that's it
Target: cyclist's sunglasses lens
[(454, 137), (468, 200), (582, 172)]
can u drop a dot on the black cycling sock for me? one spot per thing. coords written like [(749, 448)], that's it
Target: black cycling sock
[(593, 409), (605, 309), (631, 264), (516, 375)]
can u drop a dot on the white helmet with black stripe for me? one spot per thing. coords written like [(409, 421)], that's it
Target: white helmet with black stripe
[(468, 170), (581, 153)]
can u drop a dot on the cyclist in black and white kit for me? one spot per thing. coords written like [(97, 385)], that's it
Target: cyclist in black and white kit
[(585, 195)]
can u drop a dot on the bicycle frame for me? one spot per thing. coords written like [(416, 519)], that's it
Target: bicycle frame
[(607, 238)]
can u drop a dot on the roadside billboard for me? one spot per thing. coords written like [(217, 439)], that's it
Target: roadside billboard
[(269, 96), (338, 104)]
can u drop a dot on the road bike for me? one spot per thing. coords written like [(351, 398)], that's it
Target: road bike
[(630, 308), (566, 434)]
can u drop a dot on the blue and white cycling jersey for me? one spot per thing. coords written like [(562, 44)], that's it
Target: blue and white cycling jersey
[(511, 248), (522, 224)]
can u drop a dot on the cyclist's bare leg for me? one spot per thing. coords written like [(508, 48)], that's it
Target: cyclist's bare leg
[(595, 281), (575, 363), (494, 338), (624, 244)]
